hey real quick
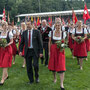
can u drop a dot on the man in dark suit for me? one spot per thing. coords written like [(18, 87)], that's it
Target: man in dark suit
[(33, 49), (45, 29)]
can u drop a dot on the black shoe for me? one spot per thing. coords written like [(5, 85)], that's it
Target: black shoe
[(1, 84), (37, 80), (62, 88), (7, 78)]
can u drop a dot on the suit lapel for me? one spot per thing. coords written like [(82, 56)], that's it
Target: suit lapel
[(27, 36), (33, 35)]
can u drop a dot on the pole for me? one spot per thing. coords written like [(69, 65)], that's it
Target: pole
[(39, 6)]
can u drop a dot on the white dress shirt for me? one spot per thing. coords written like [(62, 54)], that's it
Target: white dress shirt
[(31, 31)]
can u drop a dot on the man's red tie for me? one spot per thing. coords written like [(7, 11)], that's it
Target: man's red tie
[(29, 39)]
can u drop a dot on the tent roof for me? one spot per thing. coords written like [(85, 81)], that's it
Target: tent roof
[(58, 13)]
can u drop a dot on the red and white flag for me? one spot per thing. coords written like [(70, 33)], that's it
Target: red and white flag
[(4, 16), (74, 17), (85, 14)]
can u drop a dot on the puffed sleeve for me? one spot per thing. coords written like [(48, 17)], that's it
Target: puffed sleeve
[(73, 31), (85, 31), (89, 30), (63, 28), (49, 34), (68, 30), (10, 35), (14, 32), (64, 35)]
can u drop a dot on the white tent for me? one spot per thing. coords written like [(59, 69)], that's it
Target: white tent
[(58, 13)]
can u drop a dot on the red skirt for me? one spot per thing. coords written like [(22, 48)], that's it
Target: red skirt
[(57, 59), (70, 42), (80, 50), (14, 48), (87, 44), (6, 57)]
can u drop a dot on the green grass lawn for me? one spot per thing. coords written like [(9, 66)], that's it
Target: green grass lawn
[(75, 79)]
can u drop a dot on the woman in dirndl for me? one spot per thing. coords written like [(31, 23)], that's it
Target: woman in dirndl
[(57, 57), (79, 49), (5, 53)]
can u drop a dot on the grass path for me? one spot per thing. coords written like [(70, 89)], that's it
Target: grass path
[(75, 79)]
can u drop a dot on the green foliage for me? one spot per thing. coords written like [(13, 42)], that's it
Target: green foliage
[(16, 7)]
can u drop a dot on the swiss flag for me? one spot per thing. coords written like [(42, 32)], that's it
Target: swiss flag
[(4, 16), (74, 17), (85, 14)]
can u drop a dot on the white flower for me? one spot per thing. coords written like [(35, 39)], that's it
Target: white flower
[(62, 45)]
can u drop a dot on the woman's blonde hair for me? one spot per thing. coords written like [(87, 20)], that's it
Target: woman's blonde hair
[(58, 21)]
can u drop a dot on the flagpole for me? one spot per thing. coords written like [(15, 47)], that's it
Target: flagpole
[(39, 6)]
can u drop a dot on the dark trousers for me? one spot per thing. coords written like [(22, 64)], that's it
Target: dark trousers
[(32, 60), (45, 46)]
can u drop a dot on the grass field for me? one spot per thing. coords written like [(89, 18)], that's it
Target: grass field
[(75, 79)]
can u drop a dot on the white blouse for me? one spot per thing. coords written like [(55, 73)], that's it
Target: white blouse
[(85, 31), (57, 38), (14, 32), (10, 35), (70, 31)]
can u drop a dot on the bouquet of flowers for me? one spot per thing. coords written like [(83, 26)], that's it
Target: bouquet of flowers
[(61, 44), (79, 39), (3, 43), (88, 36)]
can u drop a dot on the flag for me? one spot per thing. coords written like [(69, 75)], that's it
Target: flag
[(63, 22), (38, 21), (4, 16), (50, 21), (74, 17), (31, 18), (8, 17), (28, 18), (85, 14), (68, 20), (35, 24)]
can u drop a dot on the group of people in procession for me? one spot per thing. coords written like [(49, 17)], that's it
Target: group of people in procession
[(33, 40)]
